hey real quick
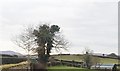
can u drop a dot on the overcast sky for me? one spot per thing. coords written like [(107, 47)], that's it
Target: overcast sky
[(84, 23)]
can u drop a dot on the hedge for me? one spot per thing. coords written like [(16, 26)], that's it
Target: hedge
[(13, 60)]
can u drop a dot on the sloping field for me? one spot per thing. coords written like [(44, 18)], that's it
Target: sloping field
[(79, 58)]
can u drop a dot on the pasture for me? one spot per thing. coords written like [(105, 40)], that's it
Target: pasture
[(79, 58)]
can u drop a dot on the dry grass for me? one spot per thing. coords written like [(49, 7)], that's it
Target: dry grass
[(7, 66)]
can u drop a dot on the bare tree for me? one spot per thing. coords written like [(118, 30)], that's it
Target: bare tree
[(87, 58), (25, 40), (60, 43)]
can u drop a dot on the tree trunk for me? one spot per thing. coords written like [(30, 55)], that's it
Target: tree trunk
[(41, 61), (39, 66)]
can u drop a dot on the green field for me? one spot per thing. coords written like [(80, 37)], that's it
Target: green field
[(109, 61), (69, 57), (79, 58), (66, 68)]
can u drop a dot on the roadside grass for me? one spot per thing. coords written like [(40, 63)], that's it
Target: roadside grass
[(7, 66)]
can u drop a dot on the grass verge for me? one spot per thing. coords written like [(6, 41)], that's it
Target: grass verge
[(7, 66)]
